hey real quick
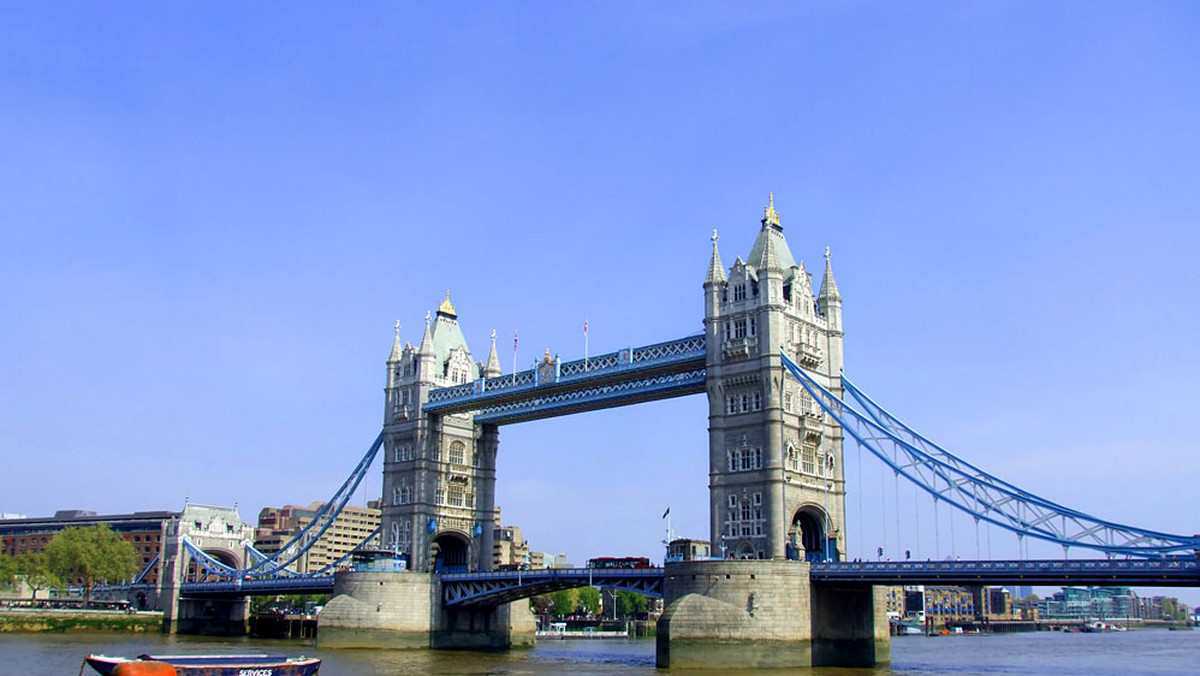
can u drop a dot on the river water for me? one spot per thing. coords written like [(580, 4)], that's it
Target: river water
[(1154, 652)]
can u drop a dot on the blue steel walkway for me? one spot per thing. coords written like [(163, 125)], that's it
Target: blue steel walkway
[(628, 376)]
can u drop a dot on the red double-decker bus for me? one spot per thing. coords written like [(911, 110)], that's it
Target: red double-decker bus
[(619, 562)]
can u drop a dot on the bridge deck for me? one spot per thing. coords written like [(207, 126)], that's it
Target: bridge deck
[(1171, 572), (492, 587)]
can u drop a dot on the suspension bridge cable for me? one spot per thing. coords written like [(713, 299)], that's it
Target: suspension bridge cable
[(899, 544), (883, 508), (977, 552), (862, 551), (937, 531), (325, 516), (953, 541), (917, 521), (978, 493)]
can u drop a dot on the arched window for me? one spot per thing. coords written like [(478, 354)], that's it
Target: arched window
[(808, 460), (457, 448)]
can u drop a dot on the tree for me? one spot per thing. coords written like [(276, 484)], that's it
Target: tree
[(588, 598), (34, 569), (8, 570), (542, 604), (630, 603), (90, 556), (564, 602)]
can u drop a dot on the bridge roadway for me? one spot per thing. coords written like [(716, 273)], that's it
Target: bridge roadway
[(493, 587)]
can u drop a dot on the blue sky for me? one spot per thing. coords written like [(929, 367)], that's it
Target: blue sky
[(211, 216)]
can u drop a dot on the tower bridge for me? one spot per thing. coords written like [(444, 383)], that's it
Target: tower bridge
[(770, 362)]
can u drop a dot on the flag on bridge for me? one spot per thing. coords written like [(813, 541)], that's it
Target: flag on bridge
[(666, 513)]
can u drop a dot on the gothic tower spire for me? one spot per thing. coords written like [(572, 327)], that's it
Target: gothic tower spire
[(492, 368)]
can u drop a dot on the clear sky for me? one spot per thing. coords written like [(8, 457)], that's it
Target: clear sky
[(211, 215)]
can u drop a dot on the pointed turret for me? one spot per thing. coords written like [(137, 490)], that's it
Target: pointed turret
[(492, 369), (397, 350), (772, 234), (426, 348), (829, 290), (767, 259), (716, 271)]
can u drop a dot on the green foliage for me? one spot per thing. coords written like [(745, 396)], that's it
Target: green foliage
[(8, 571), (588, 598), (34, 569), (91, 556), (563, 601), (541, 604), (296, 602), (630, 603)]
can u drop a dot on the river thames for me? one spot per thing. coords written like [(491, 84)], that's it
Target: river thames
[(1155, 652)]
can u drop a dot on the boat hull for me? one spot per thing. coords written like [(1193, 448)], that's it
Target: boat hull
[(202, 666)]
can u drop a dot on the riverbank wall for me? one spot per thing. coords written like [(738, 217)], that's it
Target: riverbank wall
[(70, 621)]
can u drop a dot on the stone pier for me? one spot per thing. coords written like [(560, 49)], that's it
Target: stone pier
[(404, 610), (763, 614)]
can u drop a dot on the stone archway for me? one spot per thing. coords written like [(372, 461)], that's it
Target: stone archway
[(807, 535), (449, 553)]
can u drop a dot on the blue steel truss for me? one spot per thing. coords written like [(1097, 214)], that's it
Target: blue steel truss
[(1166, 572), (146, 571), (496, 587), (627, 376), (209, 563), (619, 393), (979, 494), (321, 521), (258, 587)]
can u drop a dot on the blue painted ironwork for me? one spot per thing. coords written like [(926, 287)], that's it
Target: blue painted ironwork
[(975, 492), (146, 571), (495, 587), (1165, 572), (524, 396), (330, 568), (209, 563), (258, 587), (619, 393), (321, 521)]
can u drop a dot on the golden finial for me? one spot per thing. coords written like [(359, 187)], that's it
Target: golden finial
[(547, 357), (446, 308), (769, 214)]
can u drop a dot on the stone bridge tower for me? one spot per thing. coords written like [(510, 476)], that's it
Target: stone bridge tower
[(439, 472), (776, 486)]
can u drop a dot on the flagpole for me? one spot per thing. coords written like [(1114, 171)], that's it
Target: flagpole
[(585, 342), (514, 371)]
